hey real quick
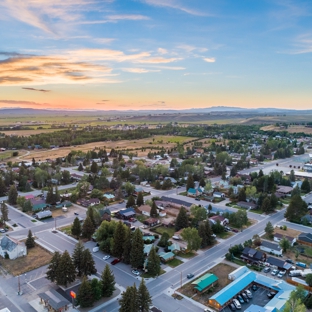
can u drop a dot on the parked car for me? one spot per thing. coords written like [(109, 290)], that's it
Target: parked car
[(232, 307), (76, 213), (301, 264), (271, 294), (237, 304), (244, 297), (190, 275), (281, 274), (115, 261), (234, 230), (289, 261), (254, 287), (106, 257), (274, 272), (135, 272), (197, 198), (266, 270), (248, 293), (2, 230), (240, 299)]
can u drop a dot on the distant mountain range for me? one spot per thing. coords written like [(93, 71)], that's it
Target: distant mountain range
[(16, 111)]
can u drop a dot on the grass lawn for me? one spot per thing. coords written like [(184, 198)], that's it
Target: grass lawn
[(187, 255), (174, 263), (224, 235), (141, 218), (161, 229), (36, 257), (258, 211), (66, 229), (146, 275)]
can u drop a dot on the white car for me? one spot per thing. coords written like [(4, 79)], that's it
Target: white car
[(106, 257), (281, 274), (136, 272)]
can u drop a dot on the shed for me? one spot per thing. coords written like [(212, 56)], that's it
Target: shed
[(54, 301)]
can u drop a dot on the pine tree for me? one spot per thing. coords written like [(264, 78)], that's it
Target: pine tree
[(77, 257), (163, 242), (90, 214), (94, 167), (202, 234), (80, 167), (153, 263), (2, 187), (65, 272), (137, 250), (88, 264), (153, 212), (140, 200), (119, 239), (27, 206), (144, 298), (85, 296), (76, 228), (129, 300), (130, 202), (190, 182), (87, 228), (269, 229), (127, 246), (52, 267), (181, 220), (296, 209), (266, 205), (96, 289), (108, 282), (305, 186), (209, 233), (4, 212), (30, 241), (12, 195), (49, 198)]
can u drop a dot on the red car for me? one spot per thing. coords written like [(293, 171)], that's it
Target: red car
[(115, 261)]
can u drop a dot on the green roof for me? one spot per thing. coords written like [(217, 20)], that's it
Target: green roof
[(38, 207), (204, 281), (167, 255)]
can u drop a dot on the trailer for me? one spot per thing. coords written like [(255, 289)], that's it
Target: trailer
[(295, 273), (43, 214), (305, 272)]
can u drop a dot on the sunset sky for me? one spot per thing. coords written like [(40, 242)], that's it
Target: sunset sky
[(155, 54)]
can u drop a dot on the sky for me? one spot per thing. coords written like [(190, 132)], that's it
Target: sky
[(155, 54)]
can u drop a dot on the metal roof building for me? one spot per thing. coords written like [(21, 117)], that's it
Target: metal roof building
[(204, 282), (225, 295)]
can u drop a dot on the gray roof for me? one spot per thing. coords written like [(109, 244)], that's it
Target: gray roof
[(55, 300), (7, 244), (271, 245), (306, 237)]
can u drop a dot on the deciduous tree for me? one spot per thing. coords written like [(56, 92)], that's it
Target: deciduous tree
[(190, 235), (4, 212), (285, 244)]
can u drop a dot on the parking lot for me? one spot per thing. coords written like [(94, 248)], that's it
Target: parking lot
[(259, 297)]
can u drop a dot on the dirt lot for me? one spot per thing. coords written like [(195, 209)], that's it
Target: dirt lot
[(168, 142), (221, 270), (288, 232), (36, 257)]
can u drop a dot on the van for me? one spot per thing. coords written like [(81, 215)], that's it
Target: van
[(96, 249), (237, 304), (295, 273)]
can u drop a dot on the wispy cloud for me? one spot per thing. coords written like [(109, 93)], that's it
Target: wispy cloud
[(158, 60), (116, 18), (39, 70), (302, 45), (33, 89), (139, 70), (28, 103), (162, 51), (209, 59), (47, 15), (173, 4)]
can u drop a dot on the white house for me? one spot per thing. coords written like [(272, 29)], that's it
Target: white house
[(218, 195), (12, 248), (271, 248), (278, 237)]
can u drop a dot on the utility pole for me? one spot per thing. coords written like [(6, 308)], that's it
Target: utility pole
[(181, 279), (19, 285)]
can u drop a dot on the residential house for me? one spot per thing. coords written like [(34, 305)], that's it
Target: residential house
[(166, 256), (286, 190), (218, 195), (245, 205), (151, 222), (223, 221), (204, 282), (37, 204), (12, 248), (279, 263), (126, 214), (278, 237), (271, 248), (174, 247), (88, 202), (305, 239), (253, 256), (192, 192), (145, 210), (306, 219)]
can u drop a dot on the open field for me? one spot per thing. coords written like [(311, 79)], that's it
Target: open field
[(29, 132), (290, 129), (36, 257), (168, 143)]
